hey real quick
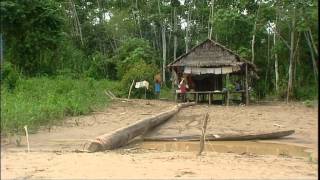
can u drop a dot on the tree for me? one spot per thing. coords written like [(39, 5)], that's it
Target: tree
[(33, 31)]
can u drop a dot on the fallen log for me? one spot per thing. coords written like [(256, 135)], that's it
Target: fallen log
[(223, 137), (113, 97), (122, 136)]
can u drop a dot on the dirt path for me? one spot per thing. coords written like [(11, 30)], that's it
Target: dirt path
[(53, 153)]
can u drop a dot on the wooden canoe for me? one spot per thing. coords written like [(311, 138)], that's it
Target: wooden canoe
[(223, 137)]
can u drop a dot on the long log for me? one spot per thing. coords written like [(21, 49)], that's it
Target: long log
[(122, 136), (223, 137)]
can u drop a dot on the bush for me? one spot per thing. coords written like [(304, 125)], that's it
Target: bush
[(308, 92), (9, 76), (309, 103), (133, 51), (140, 71), (101, 67)]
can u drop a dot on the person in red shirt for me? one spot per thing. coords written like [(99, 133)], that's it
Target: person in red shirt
[(183, 89)]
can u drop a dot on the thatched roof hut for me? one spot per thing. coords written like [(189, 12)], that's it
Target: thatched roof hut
[(207, 64), (210, 54)]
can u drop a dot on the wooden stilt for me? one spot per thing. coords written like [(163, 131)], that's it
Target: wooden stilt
[(228, 97), (247, 88), (211, 98), (228, 90)]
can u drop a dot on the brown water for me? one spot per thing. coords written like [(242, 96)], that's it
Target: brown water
[(239, 147)]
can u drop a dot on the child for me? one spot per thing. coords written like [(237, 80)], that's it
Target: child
[(157, 89)]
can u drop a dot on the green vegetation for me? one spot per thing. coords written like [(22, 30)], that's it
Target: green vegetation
[(45, 101), (166, 93)]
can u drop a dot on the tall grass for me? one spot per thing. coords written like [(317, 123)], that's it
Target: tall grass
[(45, 101)]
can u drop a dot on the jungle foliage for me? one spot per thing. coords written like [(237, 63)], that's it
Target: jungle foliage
[(125, 40)]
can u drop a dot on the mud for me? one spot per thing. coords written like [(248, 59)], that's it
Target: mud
[(238, 147)]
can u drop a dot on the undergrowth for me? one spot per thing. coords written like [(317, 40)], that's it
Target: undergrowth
[(46, 101)]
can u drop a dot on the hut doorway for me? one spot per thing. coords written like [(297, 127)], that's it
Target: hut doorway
[(208, 82)]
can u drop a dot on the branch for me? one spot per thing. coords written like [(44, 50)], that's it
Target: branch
[(278, 34)]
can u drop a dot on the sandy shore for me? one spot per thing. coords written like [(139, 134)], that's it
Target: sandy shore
[(54, 154)]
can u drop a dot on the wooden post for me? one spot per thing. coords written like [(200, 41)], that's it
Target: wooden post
[(130, 89), (203, 133), (209, 98), (145, 93), (197, 97), (227, 97), (174, 79), (176, 96), (27, 135), (247, 88), (228, 90), (243, 97)]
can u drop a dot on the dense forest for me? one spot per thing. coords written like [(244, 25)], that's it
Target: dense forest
[(122, 40)]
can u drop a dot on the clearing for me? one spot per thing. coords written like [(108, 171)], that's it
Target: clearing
[(57, 152)]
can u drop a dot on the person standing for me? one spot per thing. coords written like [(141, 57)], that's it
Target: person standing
[(183, 89), (157, 85), (157, 89)]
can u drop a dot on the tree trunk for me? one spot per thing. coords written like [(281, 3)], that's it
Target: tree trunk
[(267, 67), (164, 53), (175, 42), (295, 57), (276, 71), (253, 41), (122, 136), (252, 45), (155, 37), (289, 89), (187, 28), (314, 63), (312, 42), (211, 20), (138, 19), (77, 21), (1, 55), (164, 45)]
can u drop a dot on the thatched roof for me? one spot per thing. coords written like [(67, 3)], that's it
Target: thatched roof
[(210, 54)]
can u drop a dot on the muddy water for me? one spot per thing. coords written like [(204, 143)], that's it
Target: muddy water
[(239, 147)]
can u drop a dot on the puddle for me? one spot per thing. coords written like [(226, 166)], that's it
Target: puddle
[(239, 147)]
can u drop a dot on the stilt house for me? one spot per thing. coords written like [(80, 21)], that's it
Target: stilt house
[(208, 66)]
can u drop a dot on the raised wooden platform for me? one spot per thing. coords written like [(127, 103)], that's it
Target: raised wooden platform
[(210, 95)]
